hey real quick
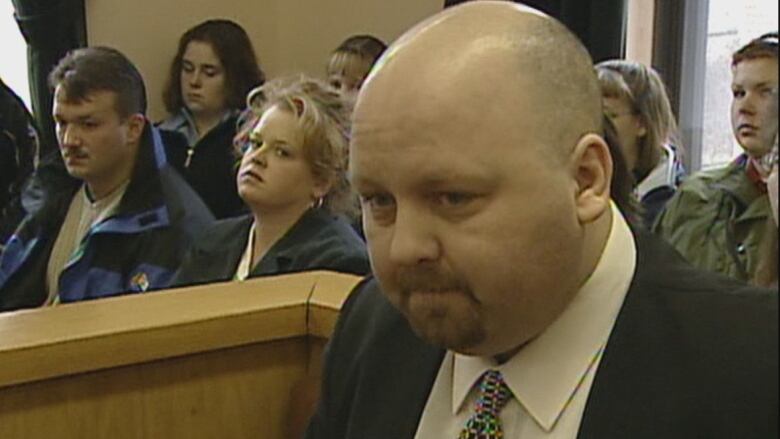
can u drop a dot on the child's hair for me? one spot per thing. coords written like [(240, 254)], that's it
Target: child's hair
[(356, 55)]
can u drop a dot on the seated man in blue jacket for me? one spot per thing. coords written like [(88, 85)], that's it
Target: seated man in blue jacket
[(106, 216)]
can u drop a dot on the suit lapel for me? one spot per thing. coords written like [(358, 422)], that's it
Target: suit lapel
[(643, 366), (400, 377)]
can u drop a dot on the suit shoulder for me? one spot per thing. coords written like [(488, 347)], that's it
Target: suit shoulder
[(365, 316)]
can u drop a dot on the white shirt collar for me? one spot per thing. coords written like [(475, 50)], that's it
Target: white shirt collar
[(245, 264), (547, 372)]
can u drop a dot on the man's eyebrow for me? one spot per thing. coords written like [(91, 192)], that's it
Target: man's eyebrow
[(79, 118)]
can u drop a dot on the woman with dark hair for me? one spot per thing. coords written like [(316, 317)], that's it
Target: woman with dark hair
[(351, 62), (213, 70), (293, 177)]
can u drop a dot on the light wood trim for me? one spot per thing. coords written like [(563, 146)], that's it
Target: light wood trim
[(89, 336), (639, 35), (326, 300), (241, 392)]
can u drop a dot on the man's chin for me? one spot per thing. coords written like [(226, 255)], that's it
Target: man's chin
[(754, 148), (459, 336), (76, 172)]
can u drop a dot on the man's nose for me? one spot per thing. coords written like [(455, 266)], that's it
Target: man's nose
[(414, 240), (69, 137), (747, 105)]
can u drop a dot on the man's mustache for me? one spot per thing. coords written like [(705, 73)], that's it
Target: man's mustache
[(429, 279)]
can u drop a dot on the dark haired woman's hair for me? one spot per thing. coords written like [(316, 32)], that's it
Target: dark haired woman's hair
[(622, 185), (232, 46)]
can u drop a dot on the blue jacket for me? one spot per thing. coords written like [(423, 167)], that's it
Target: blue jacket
[(135, 250)]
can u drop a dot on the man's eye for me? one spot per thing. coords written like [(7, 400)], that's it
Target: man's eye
[(738, 93), (454, 199), (378, 201)]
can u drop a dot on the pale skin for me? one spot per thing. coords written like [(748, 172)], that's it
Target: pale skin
[(479, 249), (628, 125), (98, 145), (754, 104), (203, 85), (275, 180)]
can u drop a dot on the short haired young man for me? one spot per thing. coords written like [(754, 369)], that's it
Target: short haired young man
[(717, 218), (107, 216)]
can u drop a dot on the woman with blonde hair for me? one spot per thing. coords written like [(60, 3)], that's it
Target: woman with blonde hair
[(292, 177), (351, 62), (636, 102)]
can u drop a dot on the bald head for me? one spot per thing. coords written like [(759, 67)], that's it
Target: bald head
[(476, 152), (505, 61)]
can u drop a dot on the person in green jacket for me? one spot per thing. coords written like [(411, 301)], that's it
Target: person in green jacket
[(717, 218)]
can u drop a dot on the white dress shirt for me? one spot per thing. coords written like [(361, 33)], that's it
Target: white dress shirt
[(550, 377)]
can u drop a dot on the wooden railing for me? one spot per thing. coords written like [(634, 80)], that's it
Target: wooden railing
[(213, 361)]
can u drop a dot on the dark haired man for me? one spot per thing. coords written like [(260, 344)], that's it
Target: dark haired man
[(717, 217), (512, 299), (109, 215)]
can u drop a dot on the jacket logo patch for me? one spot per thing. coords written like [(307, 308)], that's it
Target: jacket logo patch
[(139, 282)]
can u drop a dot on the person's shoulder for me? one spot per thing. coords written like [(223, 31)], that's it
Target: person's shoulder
[(705, 183), (662, 269), (228, 232), (173, 122), (335, 245), (367, 317), (695, 200), (663, 276), (180, 196)]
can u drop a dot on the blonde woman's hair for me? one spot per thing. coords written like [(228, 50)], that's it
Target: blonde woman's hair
[(643, 88), (323, 118)]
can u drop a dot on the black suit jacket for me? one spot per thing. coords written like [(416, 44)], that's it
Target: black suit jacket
[(317, 241), (692, 355)]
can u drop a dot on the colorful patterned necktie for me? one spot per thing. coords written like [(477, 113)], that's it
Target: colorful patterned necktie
[(493, 396)]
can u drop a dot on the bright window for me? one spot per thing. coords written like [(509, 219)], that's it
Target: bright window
[(13, 67)]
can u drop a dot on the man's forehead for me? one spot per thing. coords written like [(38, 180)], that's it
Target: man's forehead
[(422, 168), (93, 102), (756, 69)]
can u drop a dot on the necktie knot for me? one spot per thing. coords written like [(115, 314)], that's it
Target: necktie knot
[(493, 396)]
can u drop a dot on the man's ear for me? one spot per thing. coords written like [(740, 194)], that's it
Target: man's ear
[(135, 128), (592, 167)]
